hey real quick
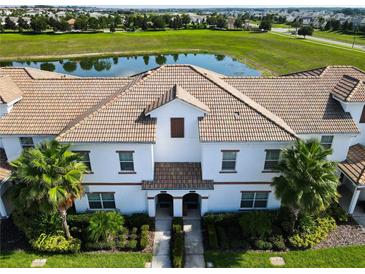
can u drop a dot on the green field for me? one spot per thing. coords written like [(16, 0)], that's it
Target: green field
[(118, 259), (333, 257), (265, 51), (342, 37)]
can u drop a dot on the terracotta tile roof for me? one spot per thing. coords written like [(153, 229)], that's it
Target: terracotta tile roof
[(177, 176), (349, 89), (9, 91), (240, 108), (354, 165), (176, 92), (122, 119), (311, 72)]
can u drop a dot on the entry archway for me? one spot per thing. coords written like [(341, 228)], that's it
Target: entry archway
[(164, 205), (191, 205)]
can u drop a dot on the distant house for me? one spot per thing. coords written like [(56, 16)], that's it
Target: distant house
[(307, 21), (230, 22), (71, 22)]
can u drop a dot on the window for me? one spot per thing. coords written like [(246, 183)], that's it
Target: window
[(272, 159), (254, 199), (126, 161), (177, 127), (229, 160), (101, 200), (326, 141), (85, 159), (26, 142), (362, 118)]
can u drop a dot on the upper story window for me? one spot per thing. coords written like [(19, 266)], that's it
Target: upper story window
[(362, 118), (85, 155), (26, 142), (229, 160), (177, 127), (272, 159), (254, 199), (326, 141), (126, 161), (101, 200)]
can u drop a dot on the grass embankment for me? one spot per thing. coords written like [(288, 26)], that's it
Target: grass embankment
[(353, 256), (119, 259), (342, 37), (265, 51)]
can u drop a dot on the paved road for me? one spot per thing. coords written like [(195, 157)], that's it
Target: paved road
[(194, 250), (319, 39), (161, 243)]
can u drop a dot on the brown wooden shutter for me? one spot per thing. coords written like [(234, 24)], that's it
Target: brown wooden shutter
[(177, 127), (362, 118)]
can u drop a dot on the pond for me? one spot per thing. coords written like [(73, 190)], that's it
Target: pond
[(130, 65)]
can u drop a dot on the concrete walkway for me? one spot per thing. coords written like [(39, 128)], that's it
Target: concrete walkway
[(194, 250), (161, 243)]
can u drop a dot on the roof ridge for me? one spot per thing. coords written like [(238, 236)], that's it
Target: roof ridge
[(137, 80), (248, 101)]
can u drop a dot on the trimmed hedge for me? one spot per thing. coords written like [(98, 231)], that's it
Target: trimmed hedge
[(143, 241), (177, 243)]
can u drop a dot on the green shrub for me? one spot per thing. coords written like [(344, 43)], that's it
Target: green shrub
[(132, 244), (256, 224), (55, 244), (94, 246), (212, 236), (138, 220), (34, 223), (278, 242), (337, 212), (263, 245), (78, 224), (223, 239), (310, 235), (177, 243), (143, 241), (105, 226), (286, 220)]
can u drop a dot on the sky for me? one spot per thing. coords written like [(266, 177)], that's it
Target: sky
[(191, 3)]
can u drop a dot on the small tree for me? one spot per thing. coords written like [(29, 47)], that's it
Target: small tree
[(9, 24), (306, 30), (265, 25), (308, 181), (49, 176), (38, 23), (105, 226)]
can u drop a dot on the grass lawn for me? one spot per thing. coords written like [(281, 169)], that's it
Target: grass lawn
[(120, 259), (333, 257), (339, 36), (265, 51)]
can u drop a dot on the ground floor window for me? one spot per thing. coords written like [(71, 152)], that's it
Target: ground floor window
[(101, 200), (254, 199)]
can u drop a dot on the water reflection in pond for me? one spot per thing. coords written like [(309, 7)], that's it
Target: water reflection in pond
[(129, 65)]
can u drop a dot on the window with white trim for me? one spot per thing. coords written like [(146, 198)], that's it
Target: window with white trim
[(126, 161), (326, 141), (101, 200), (85, 155), (229, 160), (26, 142), (272, 159), (254, 199)]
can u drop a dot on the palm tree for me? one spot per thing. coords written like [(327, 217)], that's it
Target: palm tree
[(308, 181), (48, 177), (105, 225)]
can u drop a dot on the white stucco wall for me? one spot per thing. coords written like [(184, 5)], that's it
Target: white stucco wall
[(249, 164), (12, 147), (355, 110), (169, 149), (105, 163), (340, 144), (228, 197), (128, 199)]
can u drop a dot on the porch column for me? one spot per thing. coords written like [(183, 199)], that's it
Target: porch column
[(3, 212), (178, 207), (203, 205), (151, 206), (355, 198)]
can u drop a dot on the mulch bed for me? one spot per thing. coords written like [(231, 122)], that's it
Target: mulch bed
[(344, 235), (10, 237)]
